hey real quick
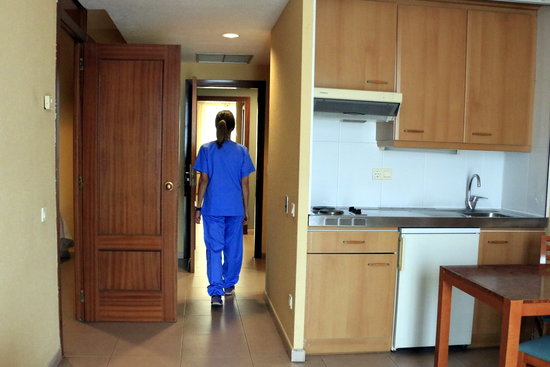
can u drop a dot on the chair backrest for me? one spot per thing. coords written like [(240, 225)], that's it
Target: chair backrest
[(545, 249)]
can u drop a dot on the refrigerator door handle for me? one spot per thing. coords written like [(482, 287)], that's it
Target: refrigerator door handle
[(401, 252)]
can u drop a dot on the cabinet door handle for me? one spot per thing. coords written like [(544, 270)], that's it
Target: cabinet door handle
[(478, 133), (379, 264), (374, 81), (346, 242), (414, 131), (498, 242)]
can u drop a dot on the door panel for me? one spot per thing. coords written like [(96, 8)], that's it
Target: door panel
[(130, 146)]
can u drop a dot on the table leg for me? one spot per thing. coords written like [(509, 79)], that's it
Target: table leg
[(443, 322), (509, 337)]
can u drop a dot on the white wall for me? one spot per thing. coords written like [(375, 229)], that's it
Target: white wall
[(525, 179), (344, 154)]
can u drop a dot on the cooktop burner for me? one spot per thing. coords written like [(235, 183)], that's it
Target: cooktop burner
[(331, 211), (326, 210)]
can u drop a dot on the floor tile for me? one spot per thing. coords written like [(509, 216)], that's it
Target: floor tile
[(88, 342), (229, 361), (423, 357), (284, 361), (213, 324), (242, 333), (150, 340), (143, 361), (84, 362), (213, 345), (480, 357), (360, 360)]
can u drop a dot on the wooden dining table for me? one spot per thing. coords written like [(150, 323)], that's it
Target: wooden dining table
[(515, 290)]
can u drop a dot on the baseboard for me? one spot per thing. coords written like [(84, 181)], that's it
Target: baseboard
[(295, 355), (298, 356), (54, 362)]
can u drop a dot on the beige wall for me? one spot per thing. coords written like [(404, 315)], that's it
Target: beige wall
[(29, 331), (288, 165), (224, 71)]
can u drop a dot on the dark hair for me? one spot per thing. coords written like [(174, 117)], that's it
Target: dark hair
[(225, 123)]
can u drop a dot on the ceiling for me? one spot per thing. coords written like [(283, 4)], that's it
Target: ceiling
[(197, 25)]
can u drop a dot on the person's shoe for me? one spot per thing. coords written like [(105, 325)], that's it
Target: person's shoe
[(216, 301), (229, 291)]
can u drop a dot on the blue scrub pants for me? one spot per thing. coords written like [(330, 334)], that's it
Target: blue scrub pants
[(223, 234)]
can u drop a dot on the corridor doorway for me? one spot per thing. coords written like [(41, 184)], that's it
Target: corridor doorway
[(220, 94)]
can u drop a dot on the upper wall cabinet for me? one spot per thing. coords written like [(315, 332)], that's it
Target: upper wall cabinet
[(467, 77), (355, 44), (500, 77), (431, 54)]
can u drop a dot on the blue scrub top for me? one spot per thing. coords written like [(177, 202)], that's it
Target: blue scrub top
[(225, 167)]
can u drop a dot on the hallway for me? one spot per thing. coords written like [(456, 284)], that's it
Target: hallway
[(241, 334)]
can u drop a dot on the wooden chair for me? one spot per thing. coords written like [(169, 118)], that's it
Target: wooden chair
[(545, 259), (545, 249), (536, 352)]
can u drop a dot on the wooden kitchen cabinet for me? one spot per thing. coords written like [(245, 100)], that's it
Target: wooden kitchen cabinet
[(467, 77), (431, 65), (496, 247), (355, 44), (500, 78), (350, 296)]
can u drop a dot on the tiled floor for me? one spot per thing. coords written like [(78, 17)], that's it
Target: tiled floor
[(241, 334)]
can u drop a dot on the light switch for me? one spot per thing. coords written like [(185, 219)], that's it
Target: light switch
[(43, 214), (48, 101)]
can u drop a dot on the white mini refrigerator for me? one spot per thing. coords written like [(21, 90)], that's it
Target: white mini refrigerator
[(422, 252)]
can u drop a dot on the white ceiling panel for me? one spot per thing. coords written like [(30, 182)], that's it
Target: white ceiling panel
[(197, 25)]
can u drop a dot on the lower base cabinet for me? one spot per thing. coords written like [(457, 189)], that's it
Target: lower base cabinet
[(499, 247), (350, 296)]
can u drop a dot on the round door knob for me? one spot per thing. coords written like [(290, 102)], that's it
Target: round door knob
[(169, 186)]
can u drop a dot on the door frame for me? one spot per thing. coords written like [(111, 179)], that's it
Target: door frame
[(262, 130), (74, 26), (245, 100)]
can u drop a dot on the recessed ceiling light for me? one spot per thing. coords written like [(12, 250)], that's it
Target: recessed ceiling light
[(230, 35)]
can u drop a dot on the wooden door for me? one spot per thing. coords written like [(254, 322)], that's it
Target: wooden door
[(500, 75), (355, 44), (431, 57), (500, 248), (129, 175)]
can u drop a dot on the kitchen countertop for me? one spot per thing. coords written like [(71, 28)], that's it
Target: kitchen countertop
[(444, 218)]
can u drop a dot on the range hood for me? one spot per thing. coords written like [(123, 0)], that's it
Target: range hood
[(366, 105)]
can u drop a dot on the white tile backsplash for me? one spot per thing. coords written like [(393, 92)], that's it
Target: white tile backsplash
[(355, 184), (324, 173), (406, 187), (344, 155)]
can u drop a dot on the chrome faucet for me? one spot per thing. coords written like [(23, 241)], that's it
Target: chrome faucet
[(471, 200)]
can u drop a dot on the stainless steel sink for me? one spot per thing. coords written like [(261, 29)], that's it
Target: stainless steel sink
[(484, 214)]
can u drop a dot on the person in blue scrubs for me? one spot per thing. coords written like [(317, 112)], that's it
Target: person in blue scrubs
[(222, 202)]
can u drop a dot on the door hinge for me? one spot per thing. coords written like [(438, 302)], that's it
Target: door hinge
[(81, 63), (82, 296), (80, 182)]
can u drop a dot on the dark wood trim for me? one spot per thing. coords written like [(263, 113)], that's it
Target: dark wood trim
[(246, 101), (77, 193), (72, 17), (66, 24), (262, 131)]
